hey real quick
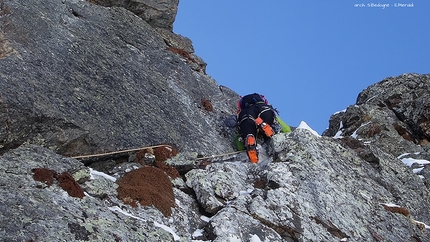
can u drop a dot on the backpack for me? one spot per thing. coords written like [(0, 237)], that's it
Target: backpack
[(250, 100)]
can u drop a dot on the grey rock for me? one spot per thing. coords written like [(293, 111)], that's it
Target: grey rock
[(315, 190), (159, 14), (392, 111), (426, 174), (100, 187), (176, 40), (36, 212), (357, 187), (231, 224), (218, 184), (80, 79)]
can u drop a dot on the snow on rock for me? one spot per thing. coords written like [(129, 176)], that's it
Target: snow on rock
[(304, 125), (95, 174), (118, 209), (339, 132), (168, 229), (255, 238), (417, 165), (411, 161)]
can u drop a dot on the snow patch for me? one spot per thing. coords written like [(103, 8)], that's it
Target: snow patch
[(168, 229), (94, 174), (368, 100), (410, 161), (403, 155), (417, 170), (206, 219), (341, 111), (178, 203), (254, 238), (233, 238), (304, 125), (248, 191), (338, 135), (392, 205), (198, 233)]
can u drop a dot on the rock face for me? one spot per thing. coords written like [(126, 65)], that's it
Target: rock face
[(157, 13), (78, 78), (393, 114), (33, 210), (313, 189), (81, 78)]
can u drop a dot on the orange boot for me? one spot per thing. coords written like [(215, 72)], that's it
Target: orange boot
[(251, 148)]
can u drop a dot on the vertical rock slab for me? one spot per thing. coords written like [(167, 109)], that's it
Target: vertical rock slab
[(81, 78)]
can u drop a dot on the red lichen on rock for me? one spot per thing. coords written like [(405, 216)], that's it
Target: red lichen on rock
[(260, 183), (371, 130), (189, 59), (170, 171), (164, 153), (65, 180), (44, 175), (161, 155), (68, 183), (140, 155), (396, 209), (182, 53), (207, 105), (402, 131), (148, 186)]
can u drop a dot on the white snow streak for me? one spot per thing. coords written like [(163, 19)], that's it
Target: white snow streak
[(117, 209), (95, 174), (410, 161), (168, 229), (354, 135), (338, 135), (204, 218)]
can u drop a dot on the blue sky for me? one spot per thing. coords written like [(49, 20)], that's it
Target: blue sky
[(310, 58)]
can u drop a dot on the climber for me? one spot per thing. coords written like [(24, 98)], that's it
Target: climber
[(254, 116)]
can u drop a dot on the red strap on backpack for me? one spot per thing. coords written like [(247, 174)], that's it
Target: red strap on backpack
[(264, 99)]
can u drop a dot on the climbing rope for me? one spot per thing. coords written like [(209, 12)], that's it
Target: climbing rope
[(149, 147), (224, 154), (119, 152)]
